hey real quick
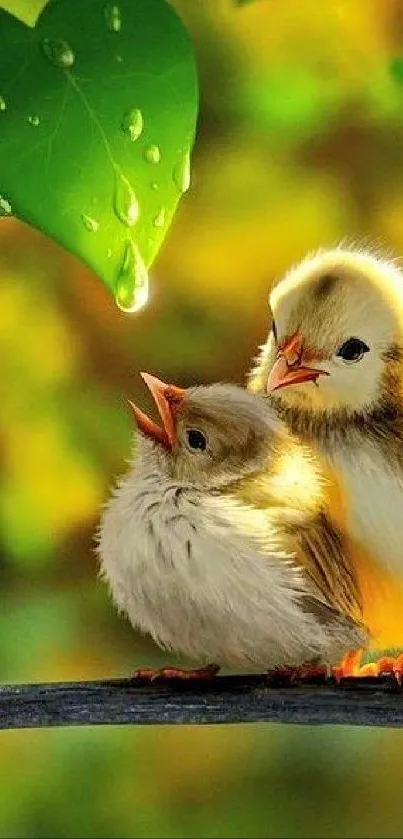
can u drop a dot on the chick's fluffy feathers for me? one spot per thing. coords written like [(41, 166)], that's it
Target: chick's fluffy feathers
[(205, 553), (353, 417)]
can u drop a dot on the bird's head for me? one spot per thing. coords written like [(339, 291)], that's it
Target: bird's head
[(336, 344), (208, 436)]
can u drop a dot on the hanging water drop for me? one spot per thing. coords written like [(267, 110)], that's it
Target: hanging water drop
[(3, 104), (133, 123), (58, 52), (113, 18), (159, 220), (89, 223), (5, 207), (152, 154), (132, 280), (34, 120), (125, 203), (181, 173)]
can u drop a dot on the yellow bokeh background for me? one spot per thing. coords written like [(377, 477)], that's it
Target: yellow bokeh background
[(300, 144)]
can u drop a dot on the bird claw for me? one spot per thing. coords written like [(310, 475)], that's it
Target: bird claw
[(305, 672), (201, 673), (384, 666)]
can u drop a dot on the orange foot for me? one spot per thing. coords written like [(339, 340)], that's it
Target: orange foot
[(385, 665), (306, 672), (207, 672)]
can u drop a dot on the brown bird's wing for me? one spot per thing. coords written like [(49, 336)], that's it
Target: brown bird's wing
[(294, 496), (324, 553)]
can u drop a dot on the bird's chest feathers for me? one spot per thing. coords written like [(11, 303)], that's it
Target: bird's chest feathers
[(170, 530), (372, 495)]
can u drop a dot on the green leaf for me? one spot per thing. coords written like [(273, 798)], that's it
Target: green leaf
[(98, 106), (26, 10)]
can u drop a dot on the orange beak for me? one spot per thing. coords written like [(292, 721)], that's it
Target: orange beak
[(166, 398), (288, 369)]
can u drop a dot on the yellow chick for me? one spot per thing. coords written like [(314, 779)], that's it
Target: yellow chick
[(216, 542), (333, 368)]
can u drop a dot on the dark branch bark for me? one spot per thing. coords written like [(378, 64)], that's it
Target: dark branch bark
[(227, 699)]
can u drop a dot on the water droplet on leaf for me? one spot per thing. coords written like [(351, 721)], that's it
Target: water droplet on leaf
[(119, 58), (181, 173), (89, 223), (133, 123), (109, 253), (126, 205), (159, 220), (132, 281), (3, 104), (113, 18), (5, 207), (34, 120), (154, 186), (58, 52), (152, 154)]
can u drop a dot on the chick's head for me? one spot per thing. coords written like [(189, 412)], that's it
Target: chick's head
[(210, 435), (336, 341)]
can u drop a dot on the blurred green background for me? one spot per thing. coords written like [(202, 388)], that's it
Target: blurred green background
[(300, 143)]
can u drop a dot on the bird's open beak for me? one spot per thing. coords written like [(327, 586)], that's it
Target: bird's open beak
[(166, 398), (288, 368)]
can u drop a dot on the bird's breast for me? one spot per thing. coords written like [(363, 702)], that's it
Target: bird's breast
[(369, 508), (191, 571)]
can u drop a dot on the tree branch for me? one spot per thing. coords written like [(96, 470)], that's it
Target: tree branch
[(227, 699)]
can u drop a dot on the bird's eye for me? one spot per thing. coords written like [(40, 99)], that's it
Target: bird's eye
[(273, 323), (352, 350), (196, 440)]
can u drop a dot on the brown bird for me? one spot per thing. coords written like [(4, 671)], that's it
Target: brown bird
[(333, 368), (216, 542)]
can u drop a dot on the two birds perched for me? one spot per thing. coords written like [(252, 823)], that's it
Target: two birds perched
[(265, 532)]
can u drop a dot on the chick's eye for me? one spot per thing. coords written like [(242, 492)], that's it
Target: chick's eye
[(273, 327), (196, 440), (352, 350)]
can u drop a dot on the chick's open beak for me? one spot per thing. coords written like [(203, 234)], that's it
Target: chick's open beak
[(288, 368), (166, 398)]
